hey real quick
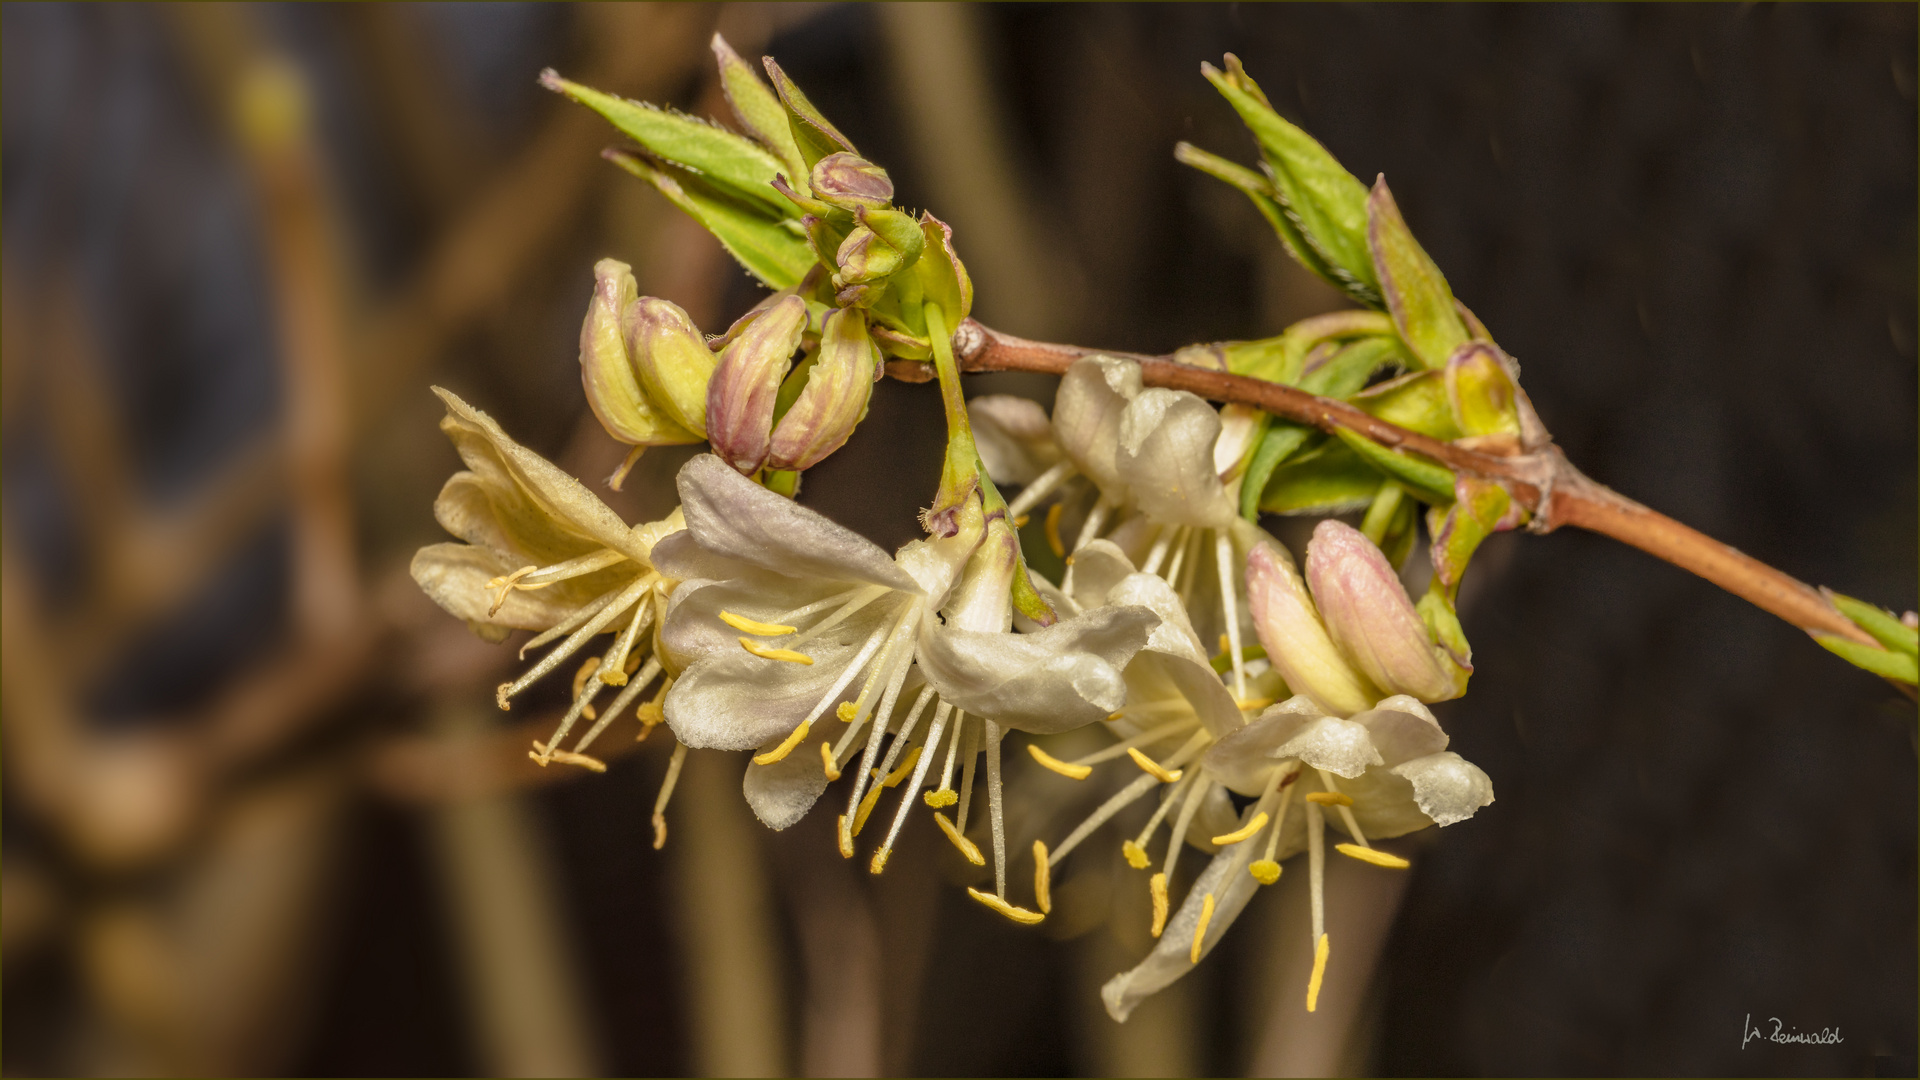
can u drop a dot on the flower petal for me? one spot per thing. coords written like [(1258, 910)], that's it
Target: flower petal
[(1086, 418), (1166, 440), (1014, 437), (783, 792), (1402, 729), (737, 701), (1367, 612), (1097, 568), (1296, 640), (1172, 955), (1061, 678), (1245, 759), (1341, 747), (1174, 636), (1447, 787), (731, 515), (455, 576)]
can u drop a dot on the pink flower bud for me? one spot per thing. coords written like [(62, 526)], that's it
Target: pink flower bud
[(1368, 612), (672, 359), (835, 397), (850, 181), (1296, 640), (606, 370), (746, 382)]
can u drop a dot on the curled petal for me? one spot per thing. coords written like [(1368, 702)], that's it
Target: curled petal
[(1341, 747), (1172, 955), (1447, 787), (1086, 418), (1296, 640), (1097, 568), (1402, 729), (1175, 635), (736, 701), (1368, 613), (782, 793), (1014, 437), (1166, 440), (1057, 679), (1245, 759), (734, 517), (455, 576)]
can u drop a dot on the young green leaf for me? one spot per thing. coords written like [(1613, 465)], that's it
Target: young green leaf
[(1415, 292), (758, 110), (1415, 401), (768, 249), (1885, 628), (1888, 663), (1257, 188), (813, 134), (1425, 478), (1330, 480)]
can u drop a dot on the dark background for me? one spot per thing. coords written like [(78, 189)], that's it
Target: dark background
[(1694, 226)]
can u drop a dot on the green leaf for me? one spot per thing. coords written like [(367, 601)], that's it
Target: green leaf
[(729, 162), (1881, 623), (1417, 402), (1256, 187), (813, 134), (1330, 480), (768, 249), (942, 275), (759, 110), (1458, 531), (1282, 439), (1413, 287), (1325, 202), (1899, 666), (1346, 371), (1426, 478)]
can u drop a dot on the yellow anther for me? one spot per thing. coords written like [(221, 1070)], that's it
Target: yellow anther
[(505, 585), (1042, 879), (1136, 855), (1053, 528), (1243, 832), (1252, 704), (943, 797), (1021, 521), (966, 846), (1372, 855), (568, 757), (501, 695), (1116, 715), (649, 716), (1200, 928), (1017, 914), (1072, 772), (1158, 887), (826, 760), (754, 626), (867, 803), (879, 862), (586, 671), (1330, 798), (659, 831), (765, 653), (905, 770), (1155, 769), (794, 739), (1265, 871), (1319, 972), (633, 663), (846, 712), (846, 838), (1069, 560)]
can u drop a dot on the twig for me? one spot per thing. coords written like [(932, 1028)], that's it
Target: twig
[(1542, 480)]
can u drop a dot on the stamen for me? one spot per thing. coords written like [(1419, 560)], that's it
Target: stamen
[(572, 568), (946, 796), (793, 739), (1041, 487), (1159, 550), (1145, 738), (826, 758), (1230, 606), (1177, 842), (1042, 880), (1330, 798), (1124, 798), (1178, 562), (619, 475), (1053, 529), (1152, 767), (1159, 814), (1253, 704), (1158, 887), (1021, 521), (846, 838), (1372, 855), (1243, 832), (1316, 868), (1017, 914), (904, 737), (873, 794), (581, 706), (579, 637), (1265, 871), (666, 793), (626, 697), (996, 810), (1136, 855), (765, 653), (966, 846), (652, 713), (966, 784), (846, 712), (504, 585), (822, 604), (586, 669), (754, 626), (614, 672), (1089, 529), (1320, 949), (567, 625), (567, 757), (861, 598), (896, 659), (1200, 928), (1048, 761), (923, 761)]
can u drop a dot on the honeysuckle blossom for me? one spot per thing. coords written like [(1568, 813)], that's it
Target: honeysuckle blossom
[(785, 619), (543, 553)]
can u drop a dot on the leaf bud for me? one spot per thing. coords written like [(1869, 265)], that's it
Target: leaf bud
[(1480, 392), (746, 382), (834, 399)]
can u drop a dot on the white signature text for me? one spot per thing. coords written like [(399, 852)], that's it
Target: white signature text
[(1782, 1034)]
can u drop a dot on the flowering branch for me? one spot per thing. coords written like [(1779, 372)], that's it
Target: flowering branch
[(1541, 479)]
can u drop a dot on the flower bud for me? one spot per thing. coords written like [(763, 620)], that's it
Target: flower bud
[(850, 182), (672, 359), (1480, 392), (746, 382), (1370, 616), (1296, 640), (607, 372), (835, 397), (863, 256)]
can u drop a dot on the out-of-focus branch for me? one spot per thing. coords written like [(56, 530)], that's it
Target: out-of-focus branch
[(1542, 480)]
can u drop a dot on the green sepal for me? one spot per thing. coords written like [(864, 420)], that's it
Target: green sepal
[(1887, 663), (1443, 622), (942, 276), (759, 110), (729, 162), (1412, 286), (1416, 401), (813, 134), (1331, 479), (1027, 600), (1881, 623), (781, 482), (1322, 199), (1458, 530), (768, 249), (1427, 479), (899, 230), (1260, 191), (1480, 393)]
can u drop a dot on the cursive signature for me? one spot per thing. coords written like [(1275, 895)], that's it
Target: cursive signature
[(1782, 1034)]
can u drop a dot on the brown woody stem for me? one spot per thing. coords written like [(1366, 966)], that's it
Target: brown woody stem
[(1540, 479)]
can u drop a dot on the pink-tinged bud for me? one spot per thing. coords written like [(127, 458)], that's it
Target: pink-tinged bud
[(1296, 640), (835, 397), (850, 182), (746, 382), (607, 373), (672, 359), (1368, 612), (863, 256)]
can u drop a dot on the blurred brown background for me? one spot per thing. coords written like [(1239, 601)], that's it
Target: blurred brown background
[(262, 817)]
